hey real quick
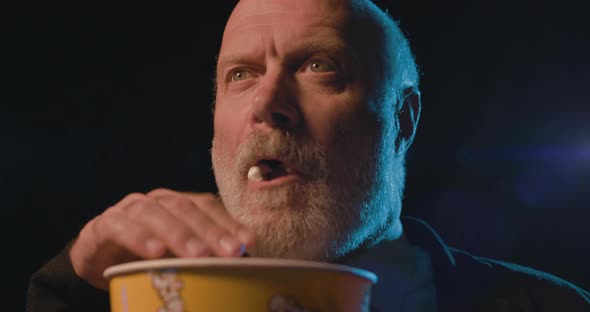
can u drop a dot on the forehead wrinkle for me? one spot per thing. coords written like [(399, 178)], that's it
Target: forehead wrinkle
[(255, 20), (251, 51), (318, 44), (281, 10), (310, 44), (254, 16)]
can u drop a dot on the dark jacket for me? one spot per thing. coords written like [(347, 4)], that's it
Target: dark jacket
[(463, 283), (469, 283)]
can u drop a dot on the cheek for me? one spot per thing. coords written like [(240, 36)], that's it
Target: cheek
[(356, 139), (350, 137), (332, 119), (227, 128)]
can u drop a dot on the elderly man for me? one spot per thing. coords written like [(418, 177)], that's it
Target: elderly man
[(316, 104)]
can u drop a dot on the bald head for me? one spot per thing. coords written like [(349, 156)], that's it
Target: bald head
[(384, 55)]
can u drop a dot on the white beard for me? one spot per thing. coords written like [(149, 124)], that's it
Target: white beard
[(321, 218)]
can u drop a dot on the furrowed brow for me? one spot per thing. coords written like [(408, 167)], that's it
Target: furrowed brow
[(306, 48), (314, 46), (231, 60)]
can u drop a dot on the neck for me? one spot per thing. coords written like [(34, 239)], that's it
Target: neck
[(392, 233)]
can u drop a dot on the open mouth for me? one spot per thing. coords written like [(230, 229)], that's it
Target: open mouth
[(267, 170)]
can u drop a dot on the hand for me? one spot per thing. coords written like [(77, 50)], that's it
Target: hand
[(153, 225)]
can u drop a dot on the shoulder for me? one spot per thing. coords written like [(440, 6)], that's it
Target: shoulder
[(465, 282), (56, 287), (513, 284)]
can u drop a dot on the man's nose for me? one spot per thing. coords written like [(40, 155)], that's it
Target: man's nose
[(275, 104)]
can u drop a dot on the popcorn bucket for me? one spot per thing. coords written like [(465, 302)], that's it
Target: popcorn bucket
[(238, 285)]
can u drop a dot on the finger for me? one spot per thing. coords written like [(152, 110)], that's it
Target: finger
[(208, 231), (133, 197), (212, 206), (116, 228), (135, 200), (180, 239), (107, 240)]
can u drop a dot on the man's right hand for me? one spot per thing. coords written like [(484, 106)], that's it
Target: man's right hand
[(154, 225)]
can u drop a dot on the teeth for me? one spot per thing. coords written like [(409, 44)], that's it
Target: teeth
[(255, 174)]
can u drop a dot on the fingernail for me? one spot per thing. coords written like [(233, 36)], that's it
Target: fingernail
[(154, 246), (231, 246), (246, 237), (196, 248)]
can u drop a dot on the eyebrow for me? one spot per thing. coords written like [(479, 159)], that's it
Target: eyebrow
[(306, 48), (232, 59), (314, 45)]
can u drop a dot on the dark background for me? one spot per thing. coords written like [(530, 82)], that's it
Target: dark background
[(104, 99)]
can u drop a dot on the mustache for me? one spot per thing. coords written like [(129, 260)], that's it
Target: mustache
[(308, 157)]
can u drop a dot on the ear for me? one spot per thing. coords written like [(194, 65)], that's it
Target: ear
[(408, 116)]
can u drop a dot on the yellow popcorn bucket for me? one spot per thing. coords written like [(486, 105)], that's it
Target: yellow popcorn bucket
[(238, 285)]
